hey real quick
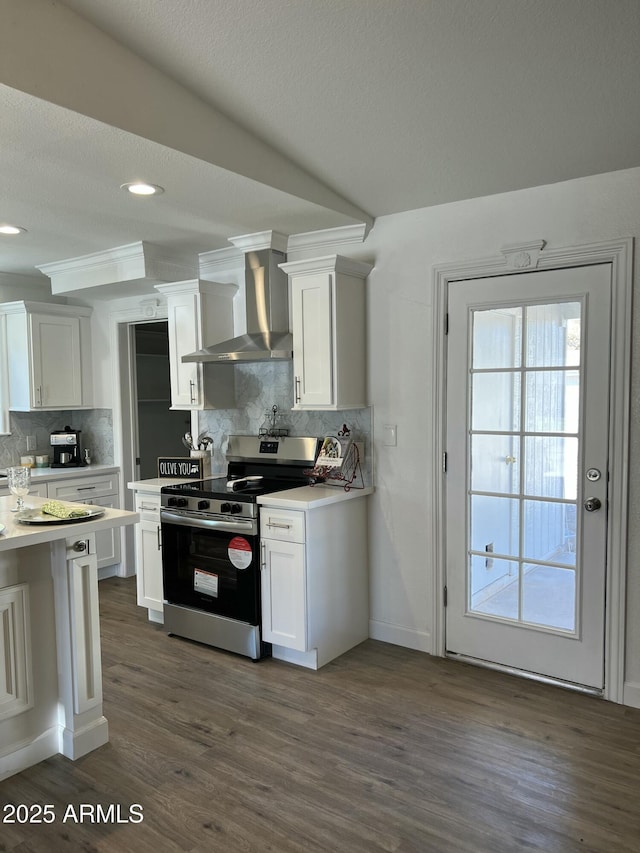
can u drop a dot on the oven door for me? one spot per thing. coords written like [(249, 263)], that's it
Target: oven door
[(212, 565)]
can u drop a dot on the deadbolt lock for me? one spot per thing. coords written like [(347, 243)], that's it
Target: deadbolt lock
[(593, 475)]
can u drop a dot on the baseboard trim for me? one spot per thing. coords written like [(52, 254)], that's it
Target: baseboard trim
[(27, 754), (631, 694), (108, 572), (306, 659), (421, 641), (77, 743)]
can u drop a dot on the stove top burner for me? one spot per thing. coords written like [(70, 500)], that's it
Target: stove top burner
[(246, 490)]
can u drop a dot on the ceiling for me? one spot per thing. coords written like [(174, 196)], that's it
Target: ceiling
[(296, 115)]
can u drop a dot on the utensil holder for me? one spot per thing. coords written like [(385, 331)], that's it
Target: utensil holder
[(205, 455)]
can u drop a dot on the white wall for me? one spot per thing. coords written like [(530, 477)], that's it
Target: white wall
[(405, 247)]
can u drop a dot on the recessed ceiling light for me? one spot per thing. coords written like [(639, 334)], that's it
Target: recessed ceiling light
[(12, 229), (142, 188)]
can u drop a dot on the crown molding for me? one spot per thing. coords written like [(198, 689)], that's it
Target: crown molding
[(135, 263), (261, 240), (329, 263), (317, 243), (21, 306), (197, 285)]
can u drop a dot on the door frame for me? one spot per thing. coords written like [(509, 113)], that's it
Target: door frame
[(517, 258), (121, 322)]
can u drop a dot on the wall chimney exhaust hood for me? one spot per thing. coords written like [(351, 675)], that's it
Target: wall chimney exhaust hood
[(267, 311)]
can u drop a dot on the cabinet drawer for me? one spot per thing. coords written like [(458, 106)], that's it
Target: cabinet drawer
[(83, 488), (148, 505), (282, 524)]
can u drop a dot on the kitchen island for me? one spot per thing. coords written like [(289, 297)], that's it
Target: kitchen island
[(50, 667)]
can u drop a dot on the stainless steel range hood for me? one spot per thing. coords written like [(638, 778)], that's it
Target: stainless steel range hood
[(267, 311)]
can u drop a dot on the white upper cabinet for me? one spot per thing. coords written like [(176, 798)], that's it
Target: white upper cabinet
[(48, 356), (328, 315), (200, 313)]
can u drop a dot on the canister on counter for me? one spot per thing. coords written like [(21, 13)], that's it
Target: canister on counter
[(28, 461), (42, 461)]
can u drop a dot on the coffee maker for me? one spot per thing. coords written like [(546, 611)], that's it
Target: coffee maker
[(66, 448)]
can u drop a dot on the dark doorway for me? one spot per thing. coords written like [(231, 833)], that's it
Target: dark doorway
[(160, 429)]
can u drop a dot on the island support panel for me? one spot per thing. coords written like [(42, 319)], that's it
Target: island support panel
[(50, 667)]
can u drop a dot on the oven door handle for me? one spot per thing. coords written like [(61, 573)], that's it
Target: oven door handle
[(248, 526)]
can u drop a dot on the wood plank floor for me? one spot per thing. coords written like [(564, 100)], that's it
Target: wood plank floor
[(384, 749)]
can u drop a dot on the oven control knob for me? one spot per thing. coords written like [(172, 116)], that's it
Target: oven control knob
[(203, 504), (225, 507), (177, 502), (236, 508)]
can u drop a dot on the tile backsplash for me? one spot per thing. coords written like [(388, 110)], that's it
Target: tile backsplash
[(259, 387), (96, 426)]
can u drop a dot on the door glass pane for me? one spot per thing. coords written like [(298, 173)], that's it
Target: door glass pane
[(497, 336), (553, 335), (510, 400), (552, 401), (494, 525), (494, 463), (494, 588), (551, 467), (495, 402), (549, 596), (549, 532)]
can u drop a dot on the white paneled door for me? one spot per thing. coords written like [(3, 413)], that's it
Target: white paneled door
[(526, 486)]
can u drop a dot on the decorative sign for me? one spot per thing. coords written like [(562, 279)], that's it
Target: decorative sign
[(183, 467), (333, 452)]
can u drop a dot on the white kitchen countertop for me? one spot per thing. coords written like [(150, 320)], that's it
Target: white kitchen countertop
[(310, 497), (304, 497), (16, 535), (42, 475)]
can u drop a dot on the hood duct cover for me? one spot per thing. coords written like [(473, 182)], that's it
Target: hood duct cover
[(267, 311)]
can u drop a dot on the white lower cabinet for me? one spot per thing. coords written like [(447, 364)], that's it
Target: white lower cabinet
[(314, 580), (284, 612), (149, 554), (98, 490)]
